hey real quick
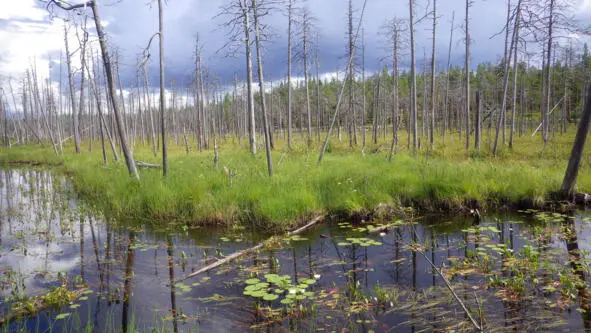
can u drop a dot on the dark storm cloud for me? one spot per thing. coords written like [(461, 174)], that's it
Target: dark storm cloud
[(132, 22)]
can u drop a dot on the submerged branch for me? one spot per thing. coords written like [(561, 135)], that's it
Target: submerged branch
[(239, 254), (476, 325)]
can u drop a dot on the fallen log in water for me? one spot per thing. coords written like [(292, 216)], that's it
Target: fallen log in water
[(239, 254), (37, 305)]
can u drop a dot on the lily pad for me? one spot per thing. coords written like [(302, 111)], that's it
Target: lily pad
[(252, 281), (62, 316)]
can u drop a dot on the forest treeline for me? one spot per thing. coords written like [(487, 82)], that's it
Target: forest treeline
[(539, 85)]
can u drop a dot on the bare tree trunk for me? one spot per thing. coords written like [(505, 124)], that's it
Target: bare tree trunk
[(446, 105), (506, 60), (82, 80), (96, 92), (433, 100), (151, 114), (102, 121), (289, 90), (425, 117), (121, 97), (548, 88), (4, 118), (351, 78), (363, 90), (515, 68), (250, 98), (376, 104), (162, 100), (340, 98), (395, 103), (413, 79), (127, 153), (467, 83), (262, 88), (201, 109), (572, 170), (317, 63), (306, 29), (140, 111), (478, 122), (44, 115), (71, 84)]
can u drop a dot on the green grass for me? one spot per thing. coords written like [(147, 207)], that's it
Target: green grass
[(346, 182)]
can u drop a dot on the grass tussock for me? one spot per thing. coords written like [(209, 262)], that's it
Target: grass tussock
[(347, 181)]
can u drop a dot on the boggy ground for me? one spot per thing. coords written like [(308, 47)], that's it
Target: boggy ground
[(349, 181)]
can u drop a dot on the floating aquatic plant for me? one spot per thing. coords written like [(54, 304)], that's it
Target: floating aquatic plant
[(361, 241), (280, 286)]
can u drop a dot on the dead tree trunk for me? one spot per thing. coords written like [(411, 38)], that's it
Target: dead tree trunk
[(572, 170), (262, 88), (162, 100), (446, 99), (72, 99), (82, 80), (351, 79), (507, 60), (305, 40), (467, 83), (127, 152), (515, 67), (395, 29), (478, 122), (290, 9), (433, 99), (413, 80), (250, 97), (110, 81), (548, 70)]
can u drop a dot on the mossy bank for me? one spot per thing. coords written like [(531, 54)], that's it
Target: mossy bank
[(348, 181)]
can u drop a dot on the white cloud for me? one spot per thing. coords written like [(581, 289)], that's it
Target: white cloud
[(27, 37), (22, 9)]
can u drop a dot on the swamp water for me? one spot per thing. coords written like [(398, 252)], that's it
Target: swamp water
[(515, 272)]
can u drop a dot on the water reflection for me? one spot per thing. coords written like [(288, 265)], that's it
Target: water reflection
[(522, 268)]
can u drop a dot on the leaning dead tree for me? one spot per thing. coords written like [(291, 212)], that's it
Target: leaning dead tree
[(127, 152), (574, 162), (340, 98)]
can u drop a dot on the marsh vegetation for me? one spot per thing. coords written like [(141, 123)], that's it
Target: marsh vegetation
[(523, 270)]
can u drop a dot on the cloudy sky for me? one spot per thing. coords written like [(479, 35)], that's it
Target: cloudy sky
[(28, 34)]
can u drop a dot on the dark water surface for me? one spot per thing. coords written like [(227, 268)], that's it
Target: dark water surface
[(526, 271)]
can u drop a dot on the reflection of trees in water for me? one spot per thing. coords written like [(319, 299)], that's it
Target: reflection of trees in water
[(170, 251), (127, 282), (576, 259)]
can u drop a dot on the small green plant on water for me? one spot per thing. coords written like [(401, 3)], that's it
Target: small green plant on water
[(280, 286), (361, 241)]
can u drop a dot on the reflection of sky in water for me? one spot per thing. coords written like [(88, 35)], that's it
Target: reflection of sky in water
[(39, 240), (119, 264)]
